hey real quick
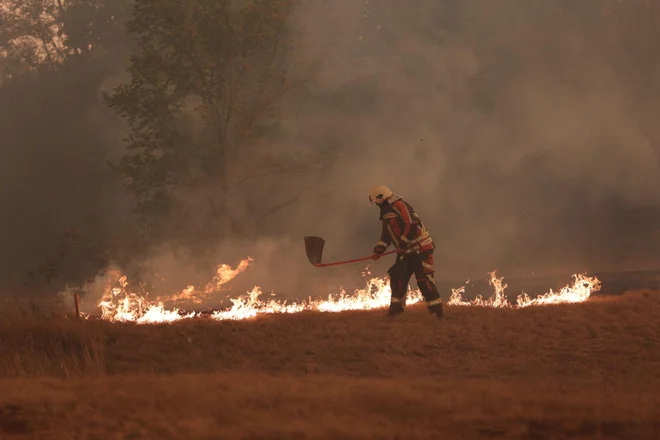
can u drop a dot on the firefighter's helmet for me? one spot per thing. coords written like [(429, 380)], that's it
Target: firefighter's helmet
[(379, 194)]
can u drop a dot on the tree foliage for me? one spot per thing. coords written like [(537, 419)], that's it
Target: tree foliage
[(54, 58), (208, 75), (40, 35), (210, 88)]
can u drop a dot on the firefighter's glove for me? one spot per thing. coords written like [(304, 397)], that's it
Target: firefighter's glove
[(378, 250)]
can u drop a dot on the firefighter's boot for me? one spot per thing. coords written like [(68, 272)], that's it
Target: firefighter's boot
[(436, 310), (395, 309)]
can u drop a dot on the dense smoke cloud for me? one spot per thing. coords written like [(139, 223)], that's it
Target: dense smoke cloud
[(546, 170), (54, 168), (510, 126)]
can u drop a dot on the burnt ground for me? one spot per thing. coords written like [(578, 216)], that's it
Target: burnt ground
[(588, 370)]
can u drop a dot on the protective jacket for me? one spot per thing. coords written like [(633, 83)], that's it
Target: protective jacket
[(402, 227)]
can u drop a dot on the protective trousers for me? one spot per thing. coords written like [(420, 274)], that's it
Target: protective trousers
[(421, 265)]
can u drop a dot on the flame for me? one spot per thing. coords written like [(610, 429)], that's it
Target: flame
[(579, 291), (120, 304), (375, 295), (223, 275)]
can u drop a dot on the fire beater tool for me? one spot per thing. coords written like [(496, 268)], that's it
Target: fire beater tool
[(314, 247)]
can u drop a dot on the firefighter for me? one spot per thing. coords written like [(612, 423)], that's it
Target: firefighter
[(402, 228)]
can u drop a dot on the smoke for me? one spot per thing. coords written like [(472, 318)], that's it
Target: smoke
[(54, 168), (511, 129), (514, 128)]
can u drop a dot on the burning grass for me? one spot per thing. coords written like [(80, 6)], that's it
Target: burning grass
[(583, 370), (586, 367), (120, 303)]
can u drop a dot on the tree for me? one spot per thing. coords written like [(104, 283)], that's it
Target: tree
[(57, 134), (32, 35), (203, 94), (37, 35)]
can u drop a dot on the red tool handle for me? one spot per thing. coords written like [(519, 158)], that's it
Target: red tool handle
[(355, 261)]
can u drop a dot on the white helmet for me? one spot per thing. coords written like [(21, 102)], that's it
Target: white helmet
[(379, 194)]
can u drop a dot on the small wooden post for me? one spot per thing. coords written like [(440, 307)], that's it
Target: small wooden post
[(76, 302)]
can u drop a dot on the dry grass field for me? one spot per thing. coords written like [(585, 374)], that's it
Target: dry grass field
[(581, 371)]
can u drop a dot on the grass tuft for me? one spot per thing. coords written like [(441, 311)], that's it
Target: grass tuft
[(42, 340)]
